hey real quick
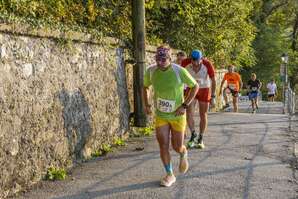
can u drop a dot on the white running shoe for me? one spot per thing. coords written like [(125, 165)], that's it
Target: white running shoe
[(183, 166), (168, 180)]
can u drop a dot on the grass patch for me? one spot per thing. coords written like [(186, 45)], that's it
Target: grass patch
[(119, 142), (142, 131), (104, 149), (56, 174), (96, 154)]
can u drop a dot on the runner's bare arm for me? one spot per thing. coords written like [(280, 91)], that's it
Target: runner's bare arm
[(145, 95), (211, 73), (241, 83), (213, 86), (268, 90), (221, 85), (276, 91), (191, 95)]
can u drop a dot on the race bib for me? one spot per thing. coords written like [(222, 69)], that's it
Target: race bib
[(166, 106), (232, 86), (254, 88)]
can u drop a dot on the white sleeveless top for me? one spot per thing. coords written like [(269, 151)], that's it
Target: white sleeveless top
[(201, 76)]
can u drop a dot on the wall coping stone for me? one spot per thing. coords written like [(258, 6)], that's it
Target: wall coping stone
[(44, 32)]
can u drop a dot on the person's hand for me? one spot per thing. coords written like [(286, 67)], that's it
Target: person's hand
[(180, 111), (148, 110), (212, 102)]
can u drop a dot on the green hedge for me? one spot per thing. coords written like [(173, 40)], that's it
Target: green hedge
[(104, 16)]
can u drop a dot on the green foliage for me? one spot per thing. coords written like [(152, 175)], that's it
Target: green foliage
[(66, 11), (96, 154), (142, 131), (56, 174), (274, 21), (269, 46), (221, 29), (119, 142), (293, 68), (106, 148), (107, 17), (146, 131)]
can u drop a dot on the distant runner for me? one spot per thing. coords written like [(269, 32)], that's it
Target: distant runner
[(254, 86), (272, 90), (180, 57), (234, 84), (203, 72), (167, 80)]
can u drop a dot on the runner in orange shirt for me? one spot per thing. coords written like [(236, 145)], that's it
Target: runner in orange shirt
[(234, 84)]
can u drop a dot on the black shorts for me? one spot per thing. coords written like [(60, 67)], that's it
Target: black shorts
[(271, 95), (233, 92)]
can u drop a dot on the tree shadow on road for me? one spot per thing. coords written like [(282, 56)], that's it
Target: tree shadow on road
[(95, 194), (250, 166), (251, 122), (228, 138), (155, 184), (114, 190)]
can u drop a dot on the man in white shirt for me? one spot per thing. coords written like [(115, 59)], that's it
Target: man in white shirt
[(202, 70), (272, 90)]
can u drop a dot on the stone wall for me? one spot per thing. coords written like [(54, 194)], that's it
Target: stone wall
[(61, 98)]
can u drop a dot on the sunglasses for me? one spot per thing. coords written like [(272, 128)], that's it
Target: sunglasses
[(162, 51)]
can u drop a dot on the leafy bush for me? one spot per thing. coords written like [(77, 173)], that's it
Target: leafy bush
[(106, 148), (119, 142), (56, 174), (96, 153), (141, 131), (108, 17)]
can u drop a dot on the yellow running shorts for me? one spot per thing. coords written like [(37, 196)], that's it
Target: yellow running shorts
[(178, 125)]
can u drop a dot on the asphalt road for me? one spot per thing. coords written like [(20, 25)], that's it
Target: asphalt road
[(246, 156)]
